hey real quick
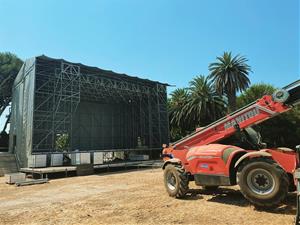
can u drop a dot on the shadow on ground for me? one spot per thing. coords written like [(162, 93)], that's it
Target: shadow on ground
[(234, 197), (99, 172)]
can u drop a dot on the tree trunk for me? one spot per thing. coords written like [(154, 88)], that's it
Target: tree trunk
[(6, 123), (231, 102)]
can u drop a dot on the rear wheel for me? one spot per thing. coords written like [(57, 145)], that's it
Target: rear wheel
[(263, 182), (176, 180)]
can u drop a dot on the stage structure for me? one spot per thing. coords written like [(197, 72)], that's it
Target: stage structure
[(96, 109)]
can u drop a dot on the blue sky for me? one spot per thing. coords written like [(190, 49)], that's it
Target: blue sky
[(166, 40)]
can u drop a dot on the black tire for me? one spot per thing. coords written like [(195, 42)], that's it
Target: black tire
[(210, 188), (263, 182), (176, 181)]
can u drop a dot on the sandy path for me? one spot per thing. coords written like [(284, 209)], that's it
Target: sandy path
[(135, 197)]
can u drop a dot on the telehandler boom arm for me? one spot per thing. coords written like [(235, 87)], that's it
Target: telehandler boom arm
[(262, 109)]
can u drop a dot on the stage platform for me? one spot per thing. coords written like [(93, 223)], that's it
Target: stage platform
[(66, 169)]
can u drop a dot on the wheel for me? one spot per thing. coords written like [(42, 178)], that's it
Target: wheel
[(263, 182), (280, 96), (176, 180), (210, 188)]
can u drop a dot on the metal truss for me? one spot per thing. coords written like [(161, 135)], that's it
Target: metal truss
[(61, 86), (56, 99)]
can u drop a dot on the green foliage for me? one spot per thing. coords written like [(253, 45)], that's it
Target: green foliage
[(205, 105), (195, 106), (253, 93), (9, 64), (199, 105), (230, 75), (177, 103), (62, 142), (281, 131), (203, 101)]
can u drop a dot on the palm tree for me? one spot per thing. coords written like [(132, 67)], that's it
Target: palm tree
[(195, 106), (204, 105), (178, 127), (179, 98), (230, 75)]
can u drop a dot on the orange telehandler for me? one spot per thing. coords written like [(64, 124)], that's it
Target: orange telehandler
[(229, 152)]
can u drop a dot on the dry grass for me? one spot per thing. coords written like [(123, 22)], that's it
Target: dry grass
[(134, 197)]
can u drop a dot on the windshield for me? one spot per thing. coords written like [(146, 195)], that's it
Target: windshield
[(248, 139)]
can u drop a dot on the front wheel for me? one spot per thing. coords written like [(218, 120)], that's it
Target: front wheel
[(263, 182), (176, 180)]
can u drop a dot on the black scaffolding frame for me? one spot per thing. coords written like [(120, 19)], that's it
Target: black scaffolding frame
[(61, 86)]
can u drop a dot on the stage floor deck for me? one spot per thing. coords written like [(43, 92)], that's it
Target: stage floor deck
[(66, 169)]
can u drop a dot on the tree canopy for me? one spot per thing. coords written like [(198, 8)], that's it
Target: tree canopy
[(204, 101), (10, 64), (194, 106), (230, 76), (281, 131), (254, 92)]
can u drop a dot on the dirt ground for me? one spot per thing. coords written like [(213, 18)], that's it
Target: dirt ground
[(131, 197)]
